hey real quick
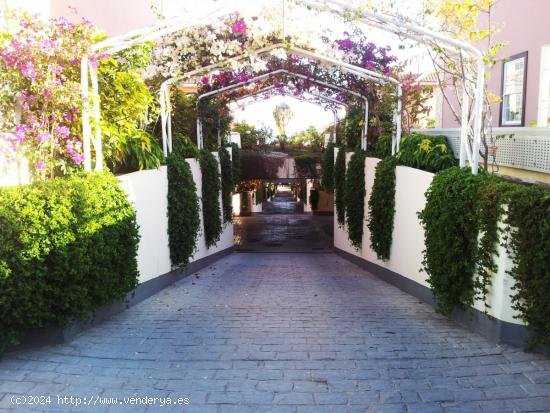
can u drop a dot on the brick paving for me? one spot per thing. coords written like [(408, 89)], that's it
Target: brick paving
[(269, 332)]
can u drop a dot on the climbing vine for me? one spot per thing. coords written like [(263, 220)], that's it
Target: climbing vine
[(226, 183), (452, 220), (211, 187), (339, 185), (327, 174), (382, 208), (354, 198), (236, 163), (314, 198), (183, 210), (529, 245)]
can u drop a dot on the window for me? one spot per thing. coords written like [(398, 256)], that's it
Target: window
[(512, 108), (544, 88)]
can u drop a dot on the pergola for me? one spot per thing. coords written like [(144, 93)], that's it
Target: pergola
[(282, 92), (267, 76), (468, 152), (349, 68)]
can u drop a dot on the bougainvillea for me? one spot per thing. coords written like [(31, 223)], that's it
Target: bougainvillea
[(40, 91)]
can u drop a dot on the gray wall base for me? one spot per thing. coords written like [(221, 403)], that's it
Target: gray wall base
[(59, 335), (492, 328)]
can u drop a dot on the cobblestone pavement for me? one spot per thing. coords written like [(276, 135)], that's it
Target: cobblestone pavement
[(282, 333), (283, 227)]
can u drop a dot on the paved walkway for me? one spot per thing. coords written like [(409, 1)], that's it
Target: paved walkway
[(282, 333), (283, 227)]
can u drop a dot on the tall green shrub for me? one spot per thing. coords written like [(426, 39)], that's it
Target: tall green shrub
[(382, 208), (451, 220), (236, 163), (430, 153), (529, 245), (327, 176), (68, 247), (211, 186), (183, 210), (227, 184), (354, 198), (339, 185)]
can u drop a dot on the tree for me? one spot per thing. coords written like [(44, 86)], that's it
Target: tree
[(251, 137), (311, 138), (461, 20), (282, 115)]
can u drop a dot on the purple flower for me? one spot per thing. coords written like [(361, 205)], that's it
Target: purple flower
[(62, 131), (40, 166), (345, 44), (27, 70), (43, 137), (239, 27)]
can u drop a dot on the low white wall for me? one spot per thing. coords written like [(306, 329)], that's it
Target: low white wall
[(408, 239), (148, 190)]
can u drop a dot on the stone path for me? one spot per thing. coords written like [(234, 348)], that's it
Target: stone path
[(280, 333)]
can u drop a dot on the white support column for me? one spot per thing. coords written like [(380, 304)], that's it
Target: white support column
[(464, 127), (478, 121), (335, 126), (398, 118), (163, 120), (168, 108), (199, 133), (366, 127), (98, 144), (219, 134), (86, 128)]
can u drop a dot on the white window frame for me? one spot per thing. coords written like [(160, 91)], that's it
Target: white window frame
[(543, 115), (511, 60)]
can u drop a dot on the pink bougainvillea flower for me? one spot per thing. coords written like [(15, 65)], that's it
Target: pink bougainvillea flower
[(40, 166), (43, 137), (239, 26), (27, 70), (62, 131)]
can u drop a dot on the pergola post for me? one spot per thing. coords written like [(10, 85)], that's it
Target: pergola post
[(98, 144), (163, 119), (365, 128), (86, 128)]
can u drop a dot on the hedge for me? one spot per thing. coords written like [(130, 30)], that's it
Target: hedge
[(68, 247), (211, 187), (430, 153), (235, 163), (183, 210), (227, 184), (327, 172), (354, 198), (339, 185), (382, 207)]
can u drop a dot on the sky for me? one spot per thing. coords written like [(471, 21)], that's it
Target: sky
[(261, 113)]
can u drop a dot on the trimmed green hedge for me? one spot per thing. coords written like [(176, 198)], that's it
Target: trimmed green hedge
[(305, 164), (327, 175), (68, 247), (339, 185), (382, 207), (354, 198), (211, 187), (430, 153), (183, 210), (227, 184), (314, 198), (236, 163), (462, 234)]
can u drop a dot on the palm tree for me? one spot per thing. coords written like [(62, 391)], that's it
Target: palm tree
[(282, 115)]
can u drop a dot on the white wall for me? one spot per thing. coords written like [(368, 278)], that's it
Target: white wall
[(148, 190), (408, 239)]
